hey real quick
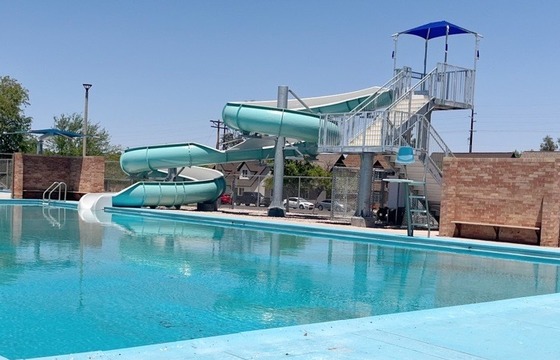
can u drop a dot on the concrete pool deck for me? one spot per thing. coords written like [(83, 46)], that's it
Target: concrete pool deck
[(520, 328), (524, 328)]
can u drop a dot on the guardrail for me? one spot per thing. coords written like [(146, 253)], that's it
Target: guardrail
[(446, 86)]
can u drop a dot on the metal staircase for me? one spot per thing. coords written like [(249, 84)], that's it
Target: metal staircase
[(406, 122)]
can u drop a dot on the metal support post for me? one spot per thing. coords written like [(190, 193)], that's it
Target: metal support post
[(364, 186), (276, 208)]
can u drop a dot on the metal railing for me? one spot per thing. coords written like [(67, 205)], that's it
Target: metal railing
[(374, 131), (420, 134), (57, 185), (356, 122)]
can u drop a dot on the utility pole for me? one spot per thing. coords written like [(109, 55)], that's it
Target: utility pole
[(218, 125)]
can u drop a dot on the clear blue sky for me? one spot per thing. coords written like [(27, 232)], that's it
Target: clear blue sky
[(161, 70)]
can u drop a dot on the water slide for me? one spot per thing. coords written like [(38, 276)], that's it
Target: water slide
[(195, 184)]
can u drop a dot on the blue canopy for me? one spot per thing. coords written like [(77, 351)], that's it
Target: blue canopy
[(45, 133), (53, 132), (436, 29)]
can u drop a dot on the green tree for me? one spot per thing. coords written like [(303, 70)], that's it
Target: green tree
[(548, 144), (98, 139), (13, 122), (303, 177)]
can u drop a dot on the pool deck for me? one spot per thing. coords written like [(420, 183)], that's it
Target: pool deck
[(523, 328)]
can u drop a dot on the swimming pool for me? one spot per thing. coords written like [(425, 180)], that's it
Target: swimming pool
[(67, 285)]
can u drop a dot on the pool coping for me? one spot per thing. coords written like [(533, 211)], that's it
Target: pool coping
[(516, 328), (520, 252)]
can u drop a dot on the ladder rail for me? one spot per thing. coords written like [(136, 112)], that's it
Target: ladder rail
[(57, 185)]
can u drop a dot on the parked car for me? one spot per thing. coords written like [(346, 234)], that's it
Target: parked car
[(252, 198), (225, 199), (328, 204), (299, 203)]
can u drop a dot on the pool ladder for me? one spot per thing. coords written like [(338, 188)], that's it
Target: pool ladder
[(57, 185), (56, 221)]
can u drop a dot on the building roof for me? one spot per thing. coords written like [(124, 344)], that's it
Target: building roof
[(328, 161), (540, 154)]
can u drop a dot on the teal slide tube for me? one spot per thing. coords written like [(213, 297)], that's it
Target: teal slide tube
[(170, 193), (151, 158), (272, 121), (244, 117)]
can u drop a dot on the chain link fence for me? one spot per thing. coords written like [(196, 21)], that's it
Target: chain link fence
[(116, 179), (335, 196), (6, 171), (345, 191)]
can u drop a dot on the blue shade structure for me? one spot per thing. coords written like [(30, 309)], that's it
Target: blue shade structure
[(434, 30), (45, 133), (55, 132)]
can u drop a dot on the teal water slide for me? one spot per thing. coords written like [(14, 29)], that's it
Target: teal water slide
[(196, 184)]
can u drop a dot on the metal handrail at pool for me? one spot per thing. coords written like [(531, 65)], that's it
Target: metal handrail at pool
[(57, 185)]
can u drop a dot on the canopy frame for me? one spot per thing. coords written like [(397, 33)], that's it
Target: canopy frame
[(434, 30)]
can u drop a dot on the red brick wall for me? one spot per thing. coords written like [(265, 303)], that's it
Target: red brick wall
[(33, 174), (524, 192)]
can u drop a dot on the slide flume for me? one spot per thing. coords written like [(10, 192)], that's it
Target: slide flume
[(203, 185)]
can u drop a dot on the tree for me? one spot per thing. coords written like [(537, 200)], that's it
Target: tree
[(13, 122), (98, 139), (315, 178), (548, 144)]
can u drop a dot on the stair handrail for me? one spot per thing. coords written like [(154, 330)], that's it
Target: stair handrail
[(408, 94), (57, 185), (427, 82), (441, 83), (402, 76), (424, 127)]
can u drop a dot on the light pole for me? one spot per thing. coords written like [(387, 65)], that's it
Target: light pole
[(84, 130)]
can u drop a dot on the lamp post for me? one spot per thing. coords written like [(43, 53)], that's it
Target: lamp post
[(84, 130)]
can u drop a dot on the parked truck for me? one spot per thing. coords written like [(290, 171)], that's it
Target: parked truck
[(252, 198)]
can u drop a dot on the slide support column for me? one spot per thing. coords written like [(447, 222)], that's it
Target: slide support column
[(363, 214), (276, 208)]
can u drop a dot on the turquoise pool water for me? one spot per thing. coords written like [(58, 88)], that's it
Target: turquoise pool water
[(69, 286)]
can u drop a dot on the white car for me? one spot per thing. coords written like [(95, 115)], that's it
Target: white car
[(299, 203)]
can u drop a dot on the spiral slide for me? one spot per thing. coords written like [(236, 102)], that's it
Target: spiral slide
[(202, 185)]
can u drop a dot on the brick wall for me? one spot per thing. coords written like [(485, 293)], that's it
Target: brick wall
[(522, 192), (33, 174)]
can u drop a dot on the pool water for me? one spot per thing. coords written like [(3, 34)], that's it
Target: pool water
[(69, 286)]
